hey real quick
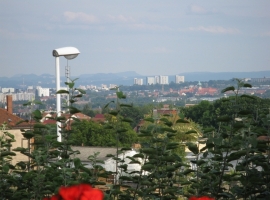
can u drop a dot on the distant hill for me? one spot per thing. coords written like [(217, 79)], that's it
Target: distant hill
[(206, 76), (121, 78), (119, 74)]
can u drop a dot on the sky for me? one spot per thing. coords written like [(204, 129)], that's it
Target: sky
[(150, 37)]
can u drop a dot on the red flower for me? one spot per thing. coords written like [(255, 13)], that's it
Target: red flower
[(78, 192), (201, 198)]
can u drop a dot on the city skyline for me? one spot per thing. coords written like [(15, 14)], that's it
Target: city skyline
[(168, 37)]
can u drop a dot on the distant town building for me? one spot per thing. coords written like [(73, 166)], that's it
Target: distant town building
[(157, 79), (199, 85), (23, 96), (104, 87), (91, 87), (260, 79), (163, 80), (138, 81), (150, 80), (8, 90), (179, 79), (30, 89), (112, 86), (43, 92), (83, 87)]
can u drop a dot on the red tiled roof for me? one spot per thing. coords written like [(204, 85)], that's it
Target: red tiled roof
[(82, 116), (10, 119), (49, 121), (99, 116), (190, 90), (264, 138), (167, 112), (66, 115), (98, 119)]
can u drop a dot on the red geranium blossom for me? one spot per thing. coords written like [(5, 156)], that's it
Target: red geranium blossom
[(201, 198), (78, 192)]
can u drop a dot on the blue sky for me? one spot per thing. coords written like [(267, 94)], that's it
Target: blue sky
[(151, 37)]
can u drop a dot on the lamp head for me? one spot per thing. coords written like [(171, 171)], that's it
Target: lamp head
[(68, 52)]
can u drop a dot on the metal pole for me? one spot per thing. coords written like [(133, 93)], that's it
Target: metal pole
[(67, 76), (58, 97)]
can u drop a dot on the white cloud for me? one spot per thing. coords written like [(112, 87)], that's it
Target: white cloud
[(80, 16), (215, 29), (121, 18), (194, 9), (151, 27)]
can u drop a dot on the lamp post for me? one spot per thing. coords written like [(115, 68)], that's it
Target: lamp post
[(69, 53)]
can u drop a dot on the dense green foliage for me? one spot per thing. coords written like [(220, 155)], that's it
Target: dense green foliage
[(90, 133), (45, 172), (234, 164), (229, 161), (205, 113)]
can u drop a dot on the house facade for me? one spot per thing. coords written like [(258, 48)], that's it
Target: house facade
[(8, 122)]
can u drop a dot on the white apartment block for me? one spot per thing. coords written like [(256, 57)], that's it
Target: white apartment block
[(163, 80), (23, 96), (104, 87), (8, 90), (91, 87), (157, 79), (18, 96), (179, 79), (138, 81), (150, 80), (112, 86), (43, 92), (82, 87)]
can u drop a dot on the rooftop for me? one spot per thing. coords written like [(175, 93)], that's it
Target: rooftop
[(11, 120)]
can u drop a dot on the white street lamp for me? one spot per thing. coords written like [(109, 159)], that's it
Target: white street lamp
[(69, 53)]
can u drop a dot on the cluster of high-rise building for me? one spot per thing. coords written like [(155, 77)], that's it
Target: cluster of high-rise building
[(43, 92), (162, 80), (138, 81), (179, 79), (94, 87), (24, 95)]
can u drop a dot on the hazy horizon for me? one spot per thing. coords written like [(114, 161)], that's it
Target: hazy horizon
[(198, 72), (164, 37)]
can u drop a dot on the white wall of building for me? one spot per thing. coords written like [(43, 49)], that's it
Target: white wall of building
[(8, 90), (138, 81), (179, 79), (150, 80), (164, 80), (112, 86), (23, 96), (104, 87), (157, 79), (43, 92)]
